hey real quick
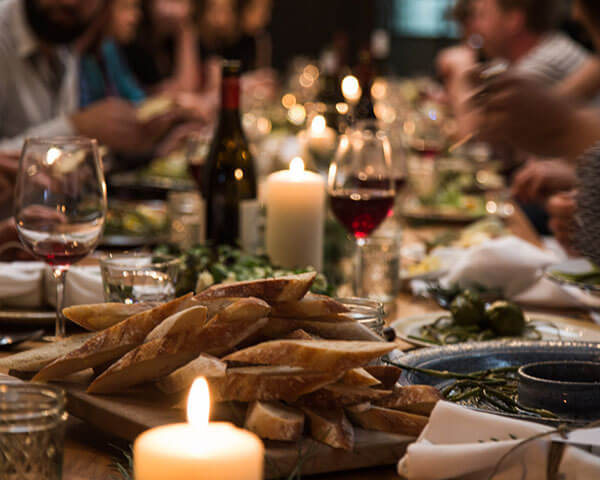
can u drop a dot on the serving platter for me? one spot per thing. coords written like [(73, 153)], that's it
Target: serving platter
[(551, 327), (479, 356), (128, 416)]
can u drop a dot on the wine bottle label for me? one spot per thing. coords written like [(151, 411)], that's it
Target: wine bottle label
[(249, 223)]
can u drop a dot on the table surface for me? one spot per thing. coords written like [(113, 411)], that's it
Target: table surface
[(90, 454)]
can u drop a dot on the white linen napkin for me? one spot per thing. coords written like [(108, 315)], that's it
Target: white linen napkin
[(83, 286), (21, 284), (515, 266), (458, 442)]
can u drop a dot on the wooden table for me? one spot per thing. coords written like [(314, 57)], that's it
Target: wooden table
[(89, 454)]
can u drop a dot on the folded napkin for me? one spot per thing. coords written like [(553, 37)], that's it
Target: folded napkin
[(515, 266), (83, 286), (458, 442), (21, 284)]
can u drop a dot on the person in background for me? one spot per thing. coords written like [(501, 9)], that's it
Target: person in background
[(39, 82), (163, 56), (103, 70)]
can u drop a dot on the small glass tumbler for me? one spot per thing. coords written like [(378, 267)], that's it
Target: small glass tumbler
[(32, 428), (369, 313), (186, 218), (139, 277)]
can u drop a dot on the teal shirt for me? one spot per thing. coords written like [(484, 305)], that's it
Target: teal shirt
[(107, 76)]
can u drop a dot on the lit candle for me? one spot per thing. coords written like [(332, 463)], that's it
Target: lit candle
[(295, 217), (321, 138), (198, 449), (351, 89)]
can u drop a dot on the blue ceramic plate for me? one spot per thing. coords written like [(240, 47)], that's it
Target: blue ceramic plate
[(473, 357)]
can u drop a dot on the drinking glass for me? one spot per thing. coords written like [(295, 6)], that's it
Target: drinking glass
[(60, 204), (361, 186)]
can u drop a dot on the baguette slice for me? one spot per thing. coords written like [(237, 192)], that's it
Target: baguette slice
[(214, 305), (182, 378), (318, 355), (388, 375), (99, 316), (299, 335), (347, 330), (288, 288), (418, 399), (387, 420), (339, 395), (247, 384), (113, 342), (312, 305), (330, 427), (274, 421), (180, 321), (359, 377), (37, 358), (149, 361)]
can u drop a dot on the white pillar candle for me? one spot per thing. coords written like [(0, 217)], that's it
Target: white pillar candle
[(198, 450), (295, 217)]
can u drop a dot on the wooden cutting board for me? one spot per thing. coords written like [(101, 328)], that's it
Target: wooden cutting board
[(126, 417)]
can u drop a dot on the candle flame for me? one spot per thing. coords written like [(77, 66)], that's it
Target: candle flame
[(351, 88), (297, 166), (52, 155), (318, 124), (198, 405)]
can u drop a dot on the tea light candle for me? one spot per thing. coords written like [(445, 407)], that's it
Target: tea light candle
[(295, 217), (198, 449)]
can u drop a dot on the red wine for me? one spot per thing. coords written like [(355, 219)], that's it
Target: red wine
[(361, 211), (230, 181), (59, 253)]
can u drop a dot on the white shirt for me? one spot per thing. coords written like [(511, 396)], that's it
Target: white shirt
[(553, 59), (34, 101)]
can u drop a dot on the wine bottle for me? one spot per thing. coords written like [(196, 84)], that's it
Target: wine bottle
[(232, 207)]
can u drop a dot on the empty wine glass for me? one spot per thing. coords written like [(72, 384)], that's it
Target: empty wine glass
[(60, 204), (361, 186)]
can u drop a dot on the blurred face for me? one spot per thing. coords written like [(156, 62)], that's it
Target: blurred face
[(125, 19), (491, 22), (60, 21)]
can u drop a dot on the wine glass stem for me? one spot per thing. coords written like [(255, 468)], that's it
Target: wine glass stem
[(60, 275), (358, 286)]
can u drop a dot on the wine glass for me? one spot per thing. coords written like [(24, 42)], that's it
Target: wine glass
[(361, 186), (60, 204)]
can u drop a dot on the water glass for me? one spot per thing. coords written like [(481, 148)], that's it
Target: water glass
[(139, 277), (32, 426), (186, 218), (369, 313)]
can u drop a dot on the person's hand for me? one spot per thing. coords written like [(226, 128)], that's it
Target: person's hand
[(517, 110), (538, 180), (562, 209), (113, 122)]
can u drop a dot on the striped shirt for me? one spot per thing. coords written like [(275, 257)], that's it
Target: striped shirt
[(553, 59), (587, 236), (36, 94)]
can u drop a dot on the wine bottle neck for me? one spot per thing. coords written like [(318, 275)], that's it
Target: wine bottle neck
[(230, 93)]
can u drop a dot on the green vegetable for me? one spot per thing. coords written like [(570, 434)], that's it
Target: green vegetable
[(506, 319), (468, 309)]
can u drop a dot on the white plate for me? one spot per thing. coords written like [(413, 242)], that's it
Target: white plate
[(552, 327), (587, 294)]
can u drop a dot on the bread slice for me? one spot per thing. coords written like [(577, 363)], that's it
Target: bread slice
[(288, 288), (233, 325), (311, 305), (99, 316), (359, 377), (182, 378), (299, 335), (274, 421), (35, 359), (388, 375), (214, 305), (180, 321), (418, 399), (318, 355), (330, 427), (247, 384), (278, 327), (149, 361), (113, 342), (387, 420), (338, 395)]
